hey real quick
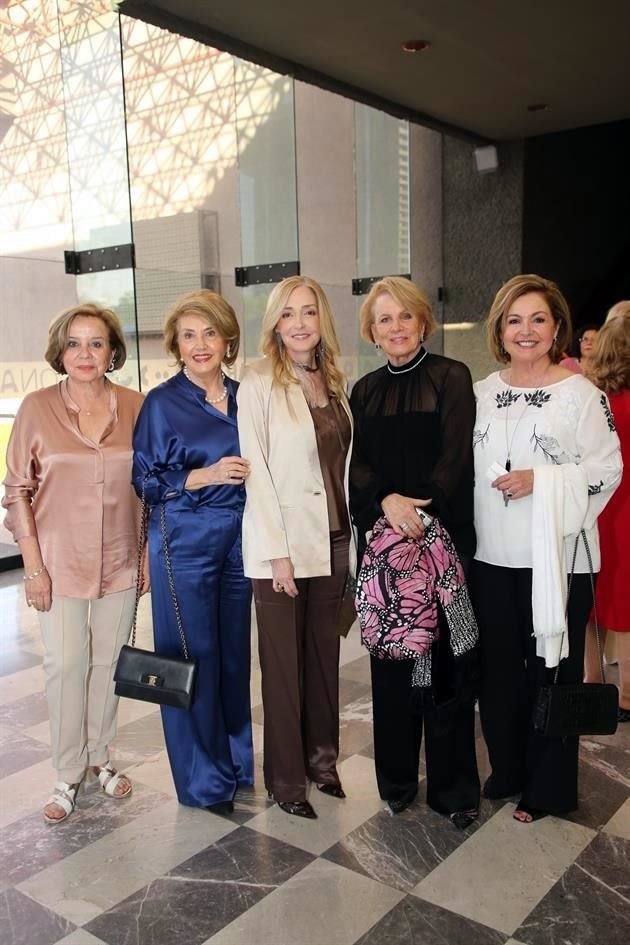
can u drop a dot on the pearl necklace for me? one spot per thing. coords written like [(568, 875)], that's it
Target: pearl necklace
[(209, 400), (406, 370)]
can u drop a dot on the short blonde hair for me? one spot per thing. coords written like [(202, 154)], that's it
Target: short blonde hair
[(276, 352), (609, 366), (213, 309), (407, 294), (505, 298), (59, 330), (620, 310)]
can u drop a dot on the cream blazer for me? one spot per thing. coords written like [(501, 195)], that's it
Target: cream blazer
[(286, 513)]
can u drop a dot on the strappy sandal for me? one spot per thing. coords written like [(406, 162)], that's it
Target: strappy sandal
[(525, 814), (109, 779), (64, 796)]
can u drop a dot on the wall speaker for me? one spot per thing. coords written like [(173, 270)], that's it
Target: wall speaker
[(486, 159)]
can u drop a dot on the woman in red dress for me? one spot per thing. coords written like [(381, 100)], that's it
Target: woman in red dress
[(609, 369)]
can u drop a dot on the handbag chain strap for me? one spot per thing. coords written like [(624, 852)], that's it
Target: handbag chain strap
[(171, 582), (142, 537), (600, 652)]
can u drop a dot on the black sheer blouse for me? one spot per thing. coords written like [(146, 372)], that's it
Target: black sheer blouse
[(413, 435)]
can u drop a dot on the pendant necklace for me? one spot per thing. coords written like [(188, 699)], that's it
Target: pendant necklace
[(209, 400), (509, 444)]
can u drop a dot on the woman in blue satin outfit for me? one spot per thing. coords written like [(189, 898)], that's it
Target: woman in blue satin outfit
[(186, 454)]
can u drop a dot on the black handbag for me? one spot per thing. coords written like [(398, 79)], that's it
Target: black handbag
[(142, 674), (565, 710)]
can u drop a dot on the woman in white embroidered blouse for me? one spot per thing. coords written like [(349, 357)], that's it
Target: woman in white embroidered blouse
[(547, 460)]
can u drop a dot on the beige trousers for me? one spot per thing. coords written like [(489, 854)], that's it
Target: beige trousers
[(82, 640)]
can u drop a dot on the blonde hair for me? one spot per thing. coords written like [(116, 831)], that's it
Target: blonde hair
[(213, 309), (273, 348), (620, 310), (507, 295), (407, 294), (609, 366), (59, 330)]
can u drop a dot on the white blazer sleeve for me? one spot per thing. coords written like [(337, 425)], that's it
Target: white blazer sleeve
[(263, 522)]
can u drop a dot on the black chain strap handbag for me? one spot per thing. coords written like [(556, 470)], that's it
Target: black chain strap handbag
[(563, 710), (143, 674)]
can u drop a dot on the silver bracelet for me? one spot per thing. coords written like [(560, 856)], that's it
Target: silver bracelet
[(34, 574)]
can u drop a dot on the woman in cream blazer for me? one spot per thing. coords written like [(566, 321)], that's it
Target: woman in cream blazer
[(295, 429)]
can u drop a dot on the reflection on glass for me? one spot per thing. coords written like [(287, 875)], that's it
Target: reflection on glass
[(265, 125), (95, 123), (382, 186)]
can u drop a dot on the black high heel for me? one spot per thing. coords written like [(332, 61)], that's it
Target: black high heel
[(221, 807), (296, 808), (463, 818), (333, 790)]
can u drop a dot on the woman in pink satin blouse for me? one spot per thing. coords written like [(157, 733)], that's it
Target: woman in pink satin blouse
[(72, 510)]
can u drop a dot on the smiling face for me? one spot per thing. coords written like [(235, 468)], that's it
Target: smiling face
[(88, 352), (298, 326), (398, 331), (586, 343), (529, 330), (201, 347)]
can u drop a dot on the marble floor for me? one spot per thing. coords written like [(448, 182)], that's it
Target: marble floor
[(146, 871)]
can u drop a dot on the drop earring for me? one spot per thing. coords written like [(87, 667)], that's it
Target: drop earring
[(112, 364)]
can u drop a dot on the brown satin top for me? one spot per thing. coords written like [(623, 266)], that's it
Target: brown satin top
[(332, 432), (75, 496)]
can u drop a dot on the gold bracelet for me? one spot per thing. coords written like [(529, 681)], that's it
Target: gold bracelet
[(34, 574)]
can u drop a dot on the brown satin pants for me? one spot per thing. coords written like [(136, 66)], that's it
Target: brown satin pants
[(299, 658)]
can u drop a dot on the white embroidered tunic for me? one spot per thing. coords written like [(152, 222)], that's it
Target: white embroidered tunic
[(566, 422)]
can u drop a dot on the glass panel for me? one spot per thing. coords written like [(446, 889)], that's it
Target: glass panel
[(265, 126), (95, 123), (382, 185), (382, 194), (183, 176)]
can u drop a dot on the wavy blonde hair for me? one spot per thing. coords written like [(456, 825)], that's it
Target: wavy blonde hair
[(620, 310), (408, 295), (273, 348), (609, 365)]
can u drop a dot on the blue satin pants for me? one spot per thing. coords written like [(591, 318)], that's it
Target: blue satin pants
[(210, 746)]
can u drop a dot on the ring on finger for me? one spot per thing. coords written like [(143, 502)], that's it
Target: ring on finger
[(404, 526)]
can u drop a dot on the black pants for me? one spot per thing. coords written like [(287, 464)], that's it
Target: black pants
[(452, 778), (543, 770)]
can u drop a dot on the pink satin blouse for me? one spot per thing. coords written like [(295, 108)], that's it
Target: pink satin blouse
[(74, 495)]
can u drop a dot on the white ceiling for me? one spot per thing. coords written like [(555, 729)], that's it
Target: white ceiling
[(488, 61)]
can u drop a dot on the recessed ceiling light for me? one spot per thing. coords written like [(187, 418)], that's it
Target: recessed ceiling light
[(538, 107), (415, 45)]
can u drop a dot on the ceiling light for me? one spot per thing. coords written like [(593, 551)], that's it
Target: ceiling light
[(415, 45), (538, 107)]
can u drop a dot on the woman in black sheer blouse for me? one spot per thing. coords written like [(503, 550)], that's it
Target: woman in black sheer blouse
[(414, 420)]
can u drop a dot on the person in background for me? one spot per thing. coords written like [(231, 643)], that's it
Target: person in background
[(72, 510), (547, 461), (609, 370), (585, 339), (413, 420), (188, 463), (295, 428)]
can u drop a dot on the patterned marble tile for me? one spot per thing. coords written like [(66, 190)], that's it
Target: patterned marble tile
[(322, 905), (18, 751), (590, 904), (336, 817), (14, 660), (108, 870), (358, 670), (602, 788), (27, 710), (619, 825), (412, 922), (201, 895), (510, 885), (24, 922), (29, 845), (80, 937), (400, 851), (139, 740)]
